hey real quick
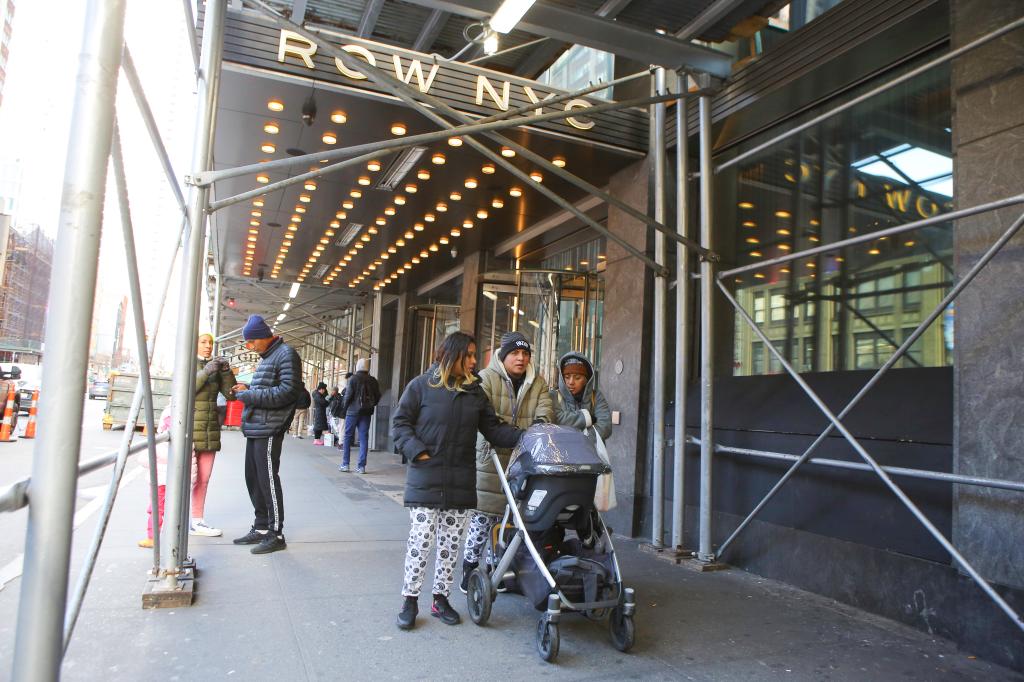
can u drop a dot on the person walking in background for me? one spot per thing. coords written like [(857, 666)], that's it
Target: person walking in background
[(435, 427), (520, 397), (213, 379), (319, 410), (361, 397), (270, 403), (333, 411)]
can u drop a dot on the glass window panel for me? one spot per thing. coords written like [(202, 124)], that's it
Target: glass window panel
[(883, 163)]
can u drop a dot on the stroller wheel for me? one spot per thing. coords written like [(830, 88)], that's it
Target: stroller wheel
[(479, 596), (621, 629), (547, 639)]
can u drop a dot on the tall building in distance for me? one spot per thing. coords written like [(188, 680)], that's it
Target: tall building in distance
[(6, 21), (23, 293)]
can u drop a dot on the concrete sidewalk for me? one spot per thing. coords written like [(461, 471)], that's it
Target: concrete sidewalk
[(324, 609)]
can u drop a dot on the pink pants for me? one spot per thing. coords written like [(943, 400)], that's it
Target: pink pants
[(161, 492), (201, 480)]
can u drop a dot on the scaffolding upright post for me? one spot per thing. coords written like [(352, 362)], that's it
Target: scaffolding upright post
[(682, 317), (39, 640), (657, 159), (216, 309), (705, 551), (193, 262), (378, 313)]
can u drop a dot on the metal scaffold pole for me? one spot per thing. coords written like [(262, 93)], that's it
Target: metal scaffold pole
[(707, 339), (183, 390), (682, 317), (657, 159), (39, 640)]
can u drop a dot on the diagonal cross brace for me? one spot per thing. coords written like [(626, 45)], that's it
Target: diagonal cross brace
[(837, 424)]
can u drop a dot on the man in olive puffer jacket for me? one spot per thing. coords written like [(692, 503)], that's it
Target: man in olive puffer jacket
[(269, 407)]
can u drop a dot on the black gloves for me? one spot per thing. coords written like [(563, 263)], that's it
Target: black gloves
[(212, 367)]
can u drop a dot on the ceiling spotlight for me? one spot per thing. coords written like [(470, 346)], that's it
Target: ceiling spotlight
[(399, 200), (432, 247), (422, 174), (497, 203), (418, 227), (410, 188), (507, 152), (381, 221), (305, 198), (363, 180), (254, 223), (456, 232), (443, 240), (347, 205), (372, 230), (390, 210), (256, 214), (429, 217), (515, 192), (392, 249), (365, 238), (271, 128), (373, 166), (455, 196), (339, 117), (558, 161), (309, 185), (437, 159), (329, 138), (416, 260), (481, 214), (398, 129), (468, 224), (424, 254), (299, 208), (536, 176), (335, 223), (455, 141), (258, 203), (471, 183), (400, 242), (263, 179), (487, 169), (296, 219), (275, 105), (341, 215), (441, 207)]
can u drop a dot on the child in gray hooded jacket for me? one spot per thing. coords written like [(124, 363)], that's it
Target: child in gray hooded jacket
[(577, 401)]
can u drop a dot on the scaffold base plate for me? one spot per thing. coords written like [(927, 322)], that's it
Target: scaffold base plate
[(157, 596)]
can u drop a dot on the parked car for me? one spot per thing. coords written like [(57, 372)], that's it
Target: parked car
[(31, 377), (99, 388)]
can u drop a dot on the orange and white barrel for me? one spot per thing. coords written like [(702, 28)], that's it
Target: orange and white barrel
[(6, 426), (30, 427)]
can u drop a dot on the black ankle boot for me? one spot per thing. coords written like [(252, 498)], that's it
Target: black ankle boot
[(407, 616), (467, 568), (443, 610)]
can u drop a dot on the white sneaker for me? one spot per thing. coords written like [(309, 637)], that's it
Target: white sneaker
[(199, 527)]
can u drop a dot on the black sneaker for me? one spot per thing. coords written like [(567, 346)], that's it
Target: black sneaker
[(271, 542), (443, 610), (253, 537), (467, 568), (407, 616)]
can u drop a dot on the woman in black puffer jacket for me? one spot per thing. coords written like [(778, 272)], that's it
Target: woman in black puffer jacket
[(435, 427)]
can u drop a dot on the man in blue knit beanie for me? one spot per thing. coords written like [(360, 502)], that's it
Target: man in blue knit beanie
[(270, 402)]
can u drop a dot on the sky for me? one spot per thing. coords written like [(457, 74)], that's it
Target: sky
[(35, 128)]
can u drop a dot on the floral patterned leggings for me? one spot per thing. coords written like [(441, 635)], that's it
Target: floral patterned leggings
[(444, 526)]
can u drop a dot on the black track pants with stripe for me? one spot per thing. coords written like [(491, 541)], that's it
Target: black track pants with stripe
[(262, 462)]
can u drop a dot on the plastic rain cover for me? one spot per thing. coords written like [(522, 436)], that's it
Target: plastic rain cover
[(553, 450)]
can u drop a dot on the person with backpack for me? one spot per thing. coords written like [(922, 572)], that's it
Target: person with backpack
[(361, 397), (270, 402)]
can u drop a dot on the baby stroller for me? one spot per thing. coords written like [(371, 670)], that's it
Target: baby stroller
[(557, 551)]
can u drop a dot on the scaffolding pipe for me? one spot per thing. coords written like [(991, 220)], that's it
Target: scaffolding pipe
[(39, 631), (876, 377), (705, 551), (923, 474), (682, 316), (855, 444), (378, 312), (183, 387), (193, 42), (143, 393), (913, 73), (409, 95), (872, 236), (657, 160), (410, 141)]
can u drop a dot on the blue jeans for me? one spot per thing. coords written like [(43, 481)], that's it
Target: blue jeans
[(352, 422)]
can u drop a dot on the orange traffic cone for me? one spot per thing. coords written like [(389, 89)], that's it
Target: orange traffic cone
[(30, 428), (8, 421)]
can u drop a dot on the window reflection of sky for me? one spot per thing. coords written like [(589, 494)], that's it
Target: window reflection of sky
[(929, 170)]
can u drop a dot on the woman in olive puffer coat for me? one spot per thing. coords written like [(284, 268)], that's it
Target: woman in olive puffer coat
[(214, 376)]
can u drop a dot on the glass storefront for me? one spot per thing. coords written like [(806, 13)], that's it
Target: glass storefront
[(886, 162)]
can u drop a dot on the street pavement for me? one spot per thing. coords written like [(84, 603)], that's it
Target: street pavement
[(324, 609)]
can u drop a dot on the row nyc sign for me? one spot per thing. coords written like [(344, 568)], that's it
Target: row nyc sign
[(292, 45), (253, 41)]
